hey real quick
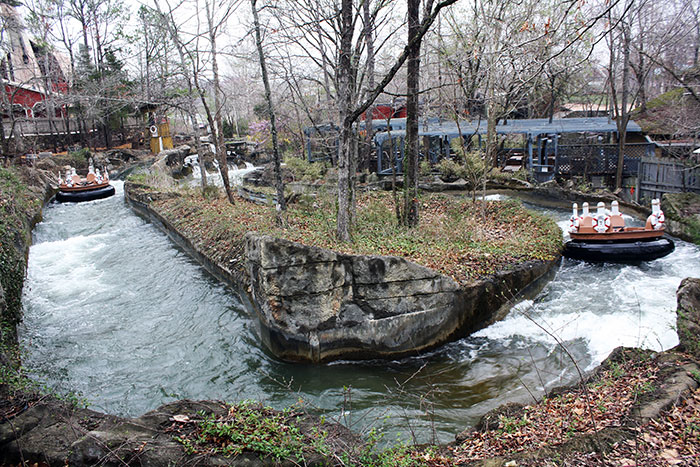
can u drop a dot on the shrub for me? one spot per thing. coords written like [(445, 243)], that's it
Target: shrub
[(449, 169), (79, 158), (305, 170)]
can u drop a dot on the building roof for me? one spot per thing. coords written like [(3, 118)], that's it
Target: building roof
[(532, 127), (20, 63)]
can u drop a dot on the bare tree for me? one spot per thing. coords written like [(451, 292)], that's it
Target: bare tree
[(214, 27), (329, 30), (186, 62), (192, 55), (410, 169), (619, 40), (281, 206)]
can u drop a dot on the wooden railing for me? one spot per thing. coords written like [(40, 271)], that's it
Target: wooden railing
[(39, 126)]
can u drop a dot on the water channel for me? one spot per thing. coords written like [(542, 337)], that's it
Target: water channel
[(115, 312)]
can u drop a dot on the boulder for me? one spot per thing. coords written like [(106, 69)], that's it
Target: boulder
[(172, 161), (122, 154), (688, 315), (318, 305), (175, 157)]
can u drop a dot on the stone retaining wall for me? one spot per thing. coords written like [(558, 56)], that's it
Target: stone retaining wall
[(316, 305)]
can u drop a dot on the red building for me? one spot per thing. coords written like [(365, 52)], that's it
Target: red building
[(29, 73), (386, 111)]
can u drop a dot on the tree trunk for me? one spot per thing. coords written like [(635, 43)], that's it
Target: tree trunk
[(369, 42), (217, 129), (192, 107), (344, 103), (410, 166), (623, 115), (279, 186), (198, 143), (5, 104), (349, 114)]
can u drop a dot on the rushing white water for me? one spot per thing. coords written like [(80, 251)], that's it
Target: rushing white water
[(235, 175), (114, 311), (606, 305)]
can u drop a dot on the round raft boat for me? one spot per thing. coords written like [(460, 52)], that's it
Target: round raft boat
[(605, 238), (75, 189), (88, 194), (619, 252)]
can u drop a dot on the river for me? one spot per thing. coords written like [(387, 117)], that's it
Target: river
[(114, 311)]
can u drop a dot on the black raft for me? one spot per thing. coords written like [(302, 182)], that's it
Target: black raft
[(618, 252), (84, 195)]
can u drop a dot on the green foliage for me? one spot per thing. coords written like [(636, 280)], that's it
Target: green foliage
[(399, 455), (305, 170), (643, 388), (261, 111), (79, 158), (276, 435), (227, 128), (249, 426), (107, 80), (616, 370), (242, 126), (689, 339), (511, 424), (679, 207), (521, 175), (211, 192), (696, 375), (141, 178), (450, 169), (664, 100), (474, 166)]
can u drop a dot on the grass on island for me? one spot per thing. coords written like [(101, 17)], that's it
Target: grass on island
[(453, 237)]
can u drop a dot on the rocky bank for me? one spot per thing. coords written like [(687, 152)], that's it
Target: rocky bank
[(48, 431)]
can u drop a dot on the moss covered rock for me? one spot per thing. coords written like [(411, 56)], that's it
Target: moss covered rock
[(689, 315), (683, 215)]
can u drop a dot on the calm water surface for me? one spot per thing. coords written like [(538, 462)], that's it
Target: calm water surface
[(114, 311)]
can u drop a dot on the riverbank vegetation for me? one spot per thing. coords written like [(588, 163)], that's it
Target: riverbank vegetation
[(18, 206), (461, 238), (599, 422)]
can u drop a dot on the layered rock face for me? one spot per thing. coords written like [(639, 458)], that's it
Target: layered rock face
[(318, 305)]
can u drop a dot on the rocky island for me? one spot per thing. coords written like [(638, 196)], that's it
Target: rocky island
[(318, 300)]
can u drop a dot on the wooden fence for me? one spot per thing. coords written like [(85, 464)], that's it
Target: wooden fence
[(659, 176)]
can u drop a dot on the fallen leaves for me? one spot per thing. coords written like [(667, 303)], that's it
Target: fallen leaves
[(674, 439), (602, 404)]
